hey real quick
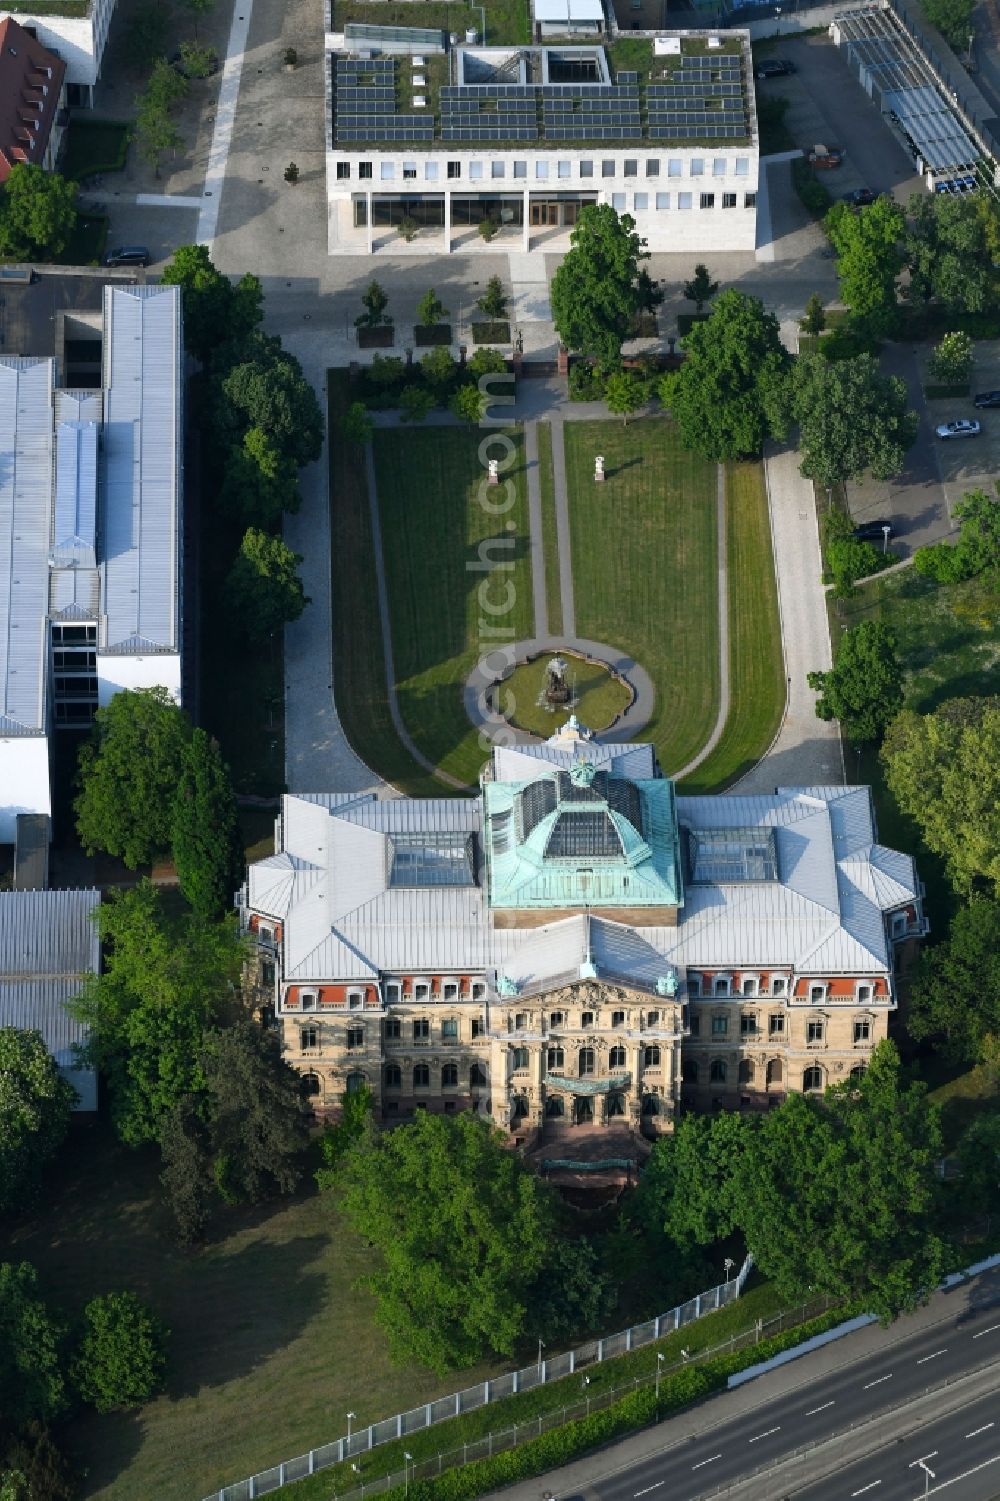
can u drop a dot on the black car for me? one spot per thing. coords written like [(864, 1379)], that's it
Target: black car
[(872, 531), (774, 67), (860, 197), (987, 399), (127, 255)]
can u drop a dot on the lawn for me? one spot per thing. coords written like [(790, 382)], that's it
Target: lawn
[(756, 668), (599, 696), (271, 1344), (550, 541), (359, 672), (645, 569), (94, 146), (446, 607)]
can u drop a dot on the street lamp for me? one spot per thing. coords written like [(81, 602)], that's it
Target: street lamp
[(541, 1347), (928, 1475), (728, 1264), (885, 538), (777, 19), (407, 1456), (350, 1418), (659, 1366)]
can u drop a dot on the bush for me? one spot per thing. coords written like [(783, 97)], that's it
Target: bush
[(586, 383), (416, 403), (385, 372), (489, 229), (951, 362), (941, 562), (408, 228), (812, 194), (487, 362), (439, 371), (468, 404), (120, 1359)]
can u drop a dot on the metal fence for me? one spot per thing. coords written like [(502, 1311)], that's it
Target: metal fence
[(364, 1440)]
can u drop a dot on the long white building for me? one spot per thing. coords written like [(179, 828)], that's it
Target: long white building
[(90, 536), (427, 142)]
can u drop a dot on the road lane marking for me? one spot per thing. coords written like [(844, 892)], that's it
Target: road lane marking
[(876, 1383), (924, 1358), (965, 1475), (975, 1431), (649, 1488), (991, 1330), (706, 1461), (864, 1488), (764, 1435), (813, 1410), (914, 1462)]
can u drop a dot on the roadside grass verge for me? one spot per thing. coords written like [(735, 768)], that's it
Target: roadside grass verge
[(550, 540)]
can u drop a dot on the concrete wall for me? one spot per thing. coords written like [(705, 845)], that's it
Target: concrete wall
[(24, 781), (156, 670), (79, 40)]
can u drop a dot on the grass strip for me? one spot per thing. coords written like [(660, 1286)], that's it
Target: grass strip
[(550, 538), (756, 666)]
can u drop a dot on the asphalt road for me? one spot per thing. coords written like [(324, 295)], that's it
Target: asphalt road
[(827, 1407), (961, 1452)]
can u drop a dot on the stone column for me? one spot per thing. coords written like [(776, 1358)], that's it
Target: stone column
[(527, 220), (447, 222)]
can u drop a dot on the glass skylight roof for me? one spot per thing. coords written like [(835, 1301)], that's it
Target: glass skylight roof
[(716, 856), (429, 859)]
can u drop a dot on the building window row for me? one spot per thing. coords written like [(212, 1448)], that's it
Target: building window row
[(607, 168), (750, 1026), (423, 990), (421, 1076), (814, 1078)]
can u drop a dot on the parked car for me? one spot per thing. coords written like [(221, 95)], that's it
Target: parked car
[(860, 197), (986, 399), (774, 67), (964, 427), (825, 156), (128, 255), (872, 531), (178, 64)]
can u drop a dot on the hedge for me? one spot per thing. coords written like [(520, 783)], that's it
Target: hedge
[(813, 194), (637, 1410)]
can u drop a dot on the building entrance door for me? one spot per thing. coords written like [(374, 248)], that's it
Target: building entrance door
[(544, 213), (584, 1110)]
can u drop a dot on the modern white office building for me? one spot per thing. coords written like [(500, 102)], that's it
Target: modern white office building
[(90, 536), (77, 33), (435, 146)]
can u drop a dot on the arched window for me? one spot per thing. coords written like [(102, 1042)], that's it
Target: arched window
[(812, 1078), (616, 1105), (717, 1071), (745, 1073), (555, 1106), (519, 1059), (858, 1071), (393, 1078), (616, 1058), (477, 1076), (356, 1082), (421, 1076), (775, 1072), (689, 1071), (519, 1108), (311, 1085), (449, 1076), (556, 1058), (586, 1061), (651, 1057), (650, 1105)]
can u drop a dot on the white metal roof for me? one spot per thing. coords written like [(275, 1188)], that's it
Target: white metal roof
[(48, 944), (553, 12), (74, 539), (824, 914), (142, 468), (25, 491)]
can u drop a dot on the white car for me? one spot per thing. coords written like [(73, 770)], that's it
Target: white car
[(963, 428)]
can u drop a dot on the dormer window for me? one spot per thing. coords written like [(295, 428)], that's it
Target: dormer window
[(393, 993), (309, 999), (750, 985), (478, 989), (865, 993), (450, 991), (779, 985), (421, 990), (721, 985), (817, 991), (355, 1000)]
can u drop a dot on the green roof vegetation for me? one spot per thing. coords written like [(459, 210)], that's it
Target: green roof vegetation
[(507, 21)]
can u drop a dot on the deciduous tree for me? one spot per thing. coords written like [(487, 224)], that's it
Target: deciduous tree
[(701, 288), (977, 548), (463, 1231), (216, 310), (813, 320), (259, 483), (951, 361), (120, 1357), (128, 774), (357, 424), (257, 1116), (948, 252), (864, 688), (37, 213), (46, 1474), (956, 990), (266, 389), (31, 1377), (733, 389), (943, 769), (869, 257), (167, 981), (624, 393), (187, 1179), (374, 300), (35, 1105), (852, 419), (953, 18), (594, 292), (431, 310), (263, 588), (206, 839), (493, 304)]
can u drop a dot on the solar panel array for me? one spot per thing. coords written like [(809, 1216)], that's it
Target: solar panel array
[(700, 99)]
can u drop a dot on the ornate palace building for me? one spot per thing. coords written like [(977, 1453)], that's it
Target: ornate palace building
[(578, 943)]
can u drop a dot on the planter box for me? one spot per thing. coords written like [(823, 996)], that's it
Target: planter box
[(376, 338), (491, 333), (439, 334)]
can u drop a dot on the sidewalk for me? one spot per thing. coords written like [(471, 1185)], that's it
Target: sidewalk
[(807, 751)]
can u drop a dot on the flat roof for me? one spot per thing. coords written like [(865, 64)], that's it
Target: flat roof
[(26, 440), (554, 11)]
